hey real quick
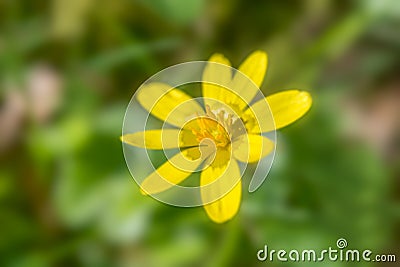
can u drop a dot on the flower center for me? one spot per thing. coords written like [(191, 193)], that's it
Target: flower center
[(218, 125), (212, 132)]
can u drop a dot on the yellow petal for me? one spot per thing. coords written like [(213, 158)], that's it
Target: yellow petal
[(216, 74), (251, 147), (160, 99), (153, 139), (221, 191), (216, 79), (171, 173), (253, 68), (289, 106), (286, 107)]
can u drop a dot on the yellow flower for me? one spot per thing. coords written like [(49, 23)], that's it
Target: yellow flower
[(224, 131)]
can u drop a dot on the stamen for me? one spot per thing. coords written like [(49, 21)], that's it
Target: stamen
[(217, 125), (210, 113), (221, 116), (229, 121)]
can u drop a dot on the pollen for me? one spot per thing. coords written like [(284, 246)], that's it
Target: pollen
[(218, 126)]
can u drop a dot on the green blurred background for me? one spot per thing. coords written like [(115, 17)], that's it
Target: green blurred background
[(68, 69)]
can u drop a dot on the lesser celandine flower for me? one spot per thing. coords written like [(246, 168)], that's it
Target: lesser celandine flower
[(220, 133)]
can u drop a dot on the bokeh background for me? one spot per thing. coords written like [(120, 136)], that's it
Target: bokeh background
[(68, 69)]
